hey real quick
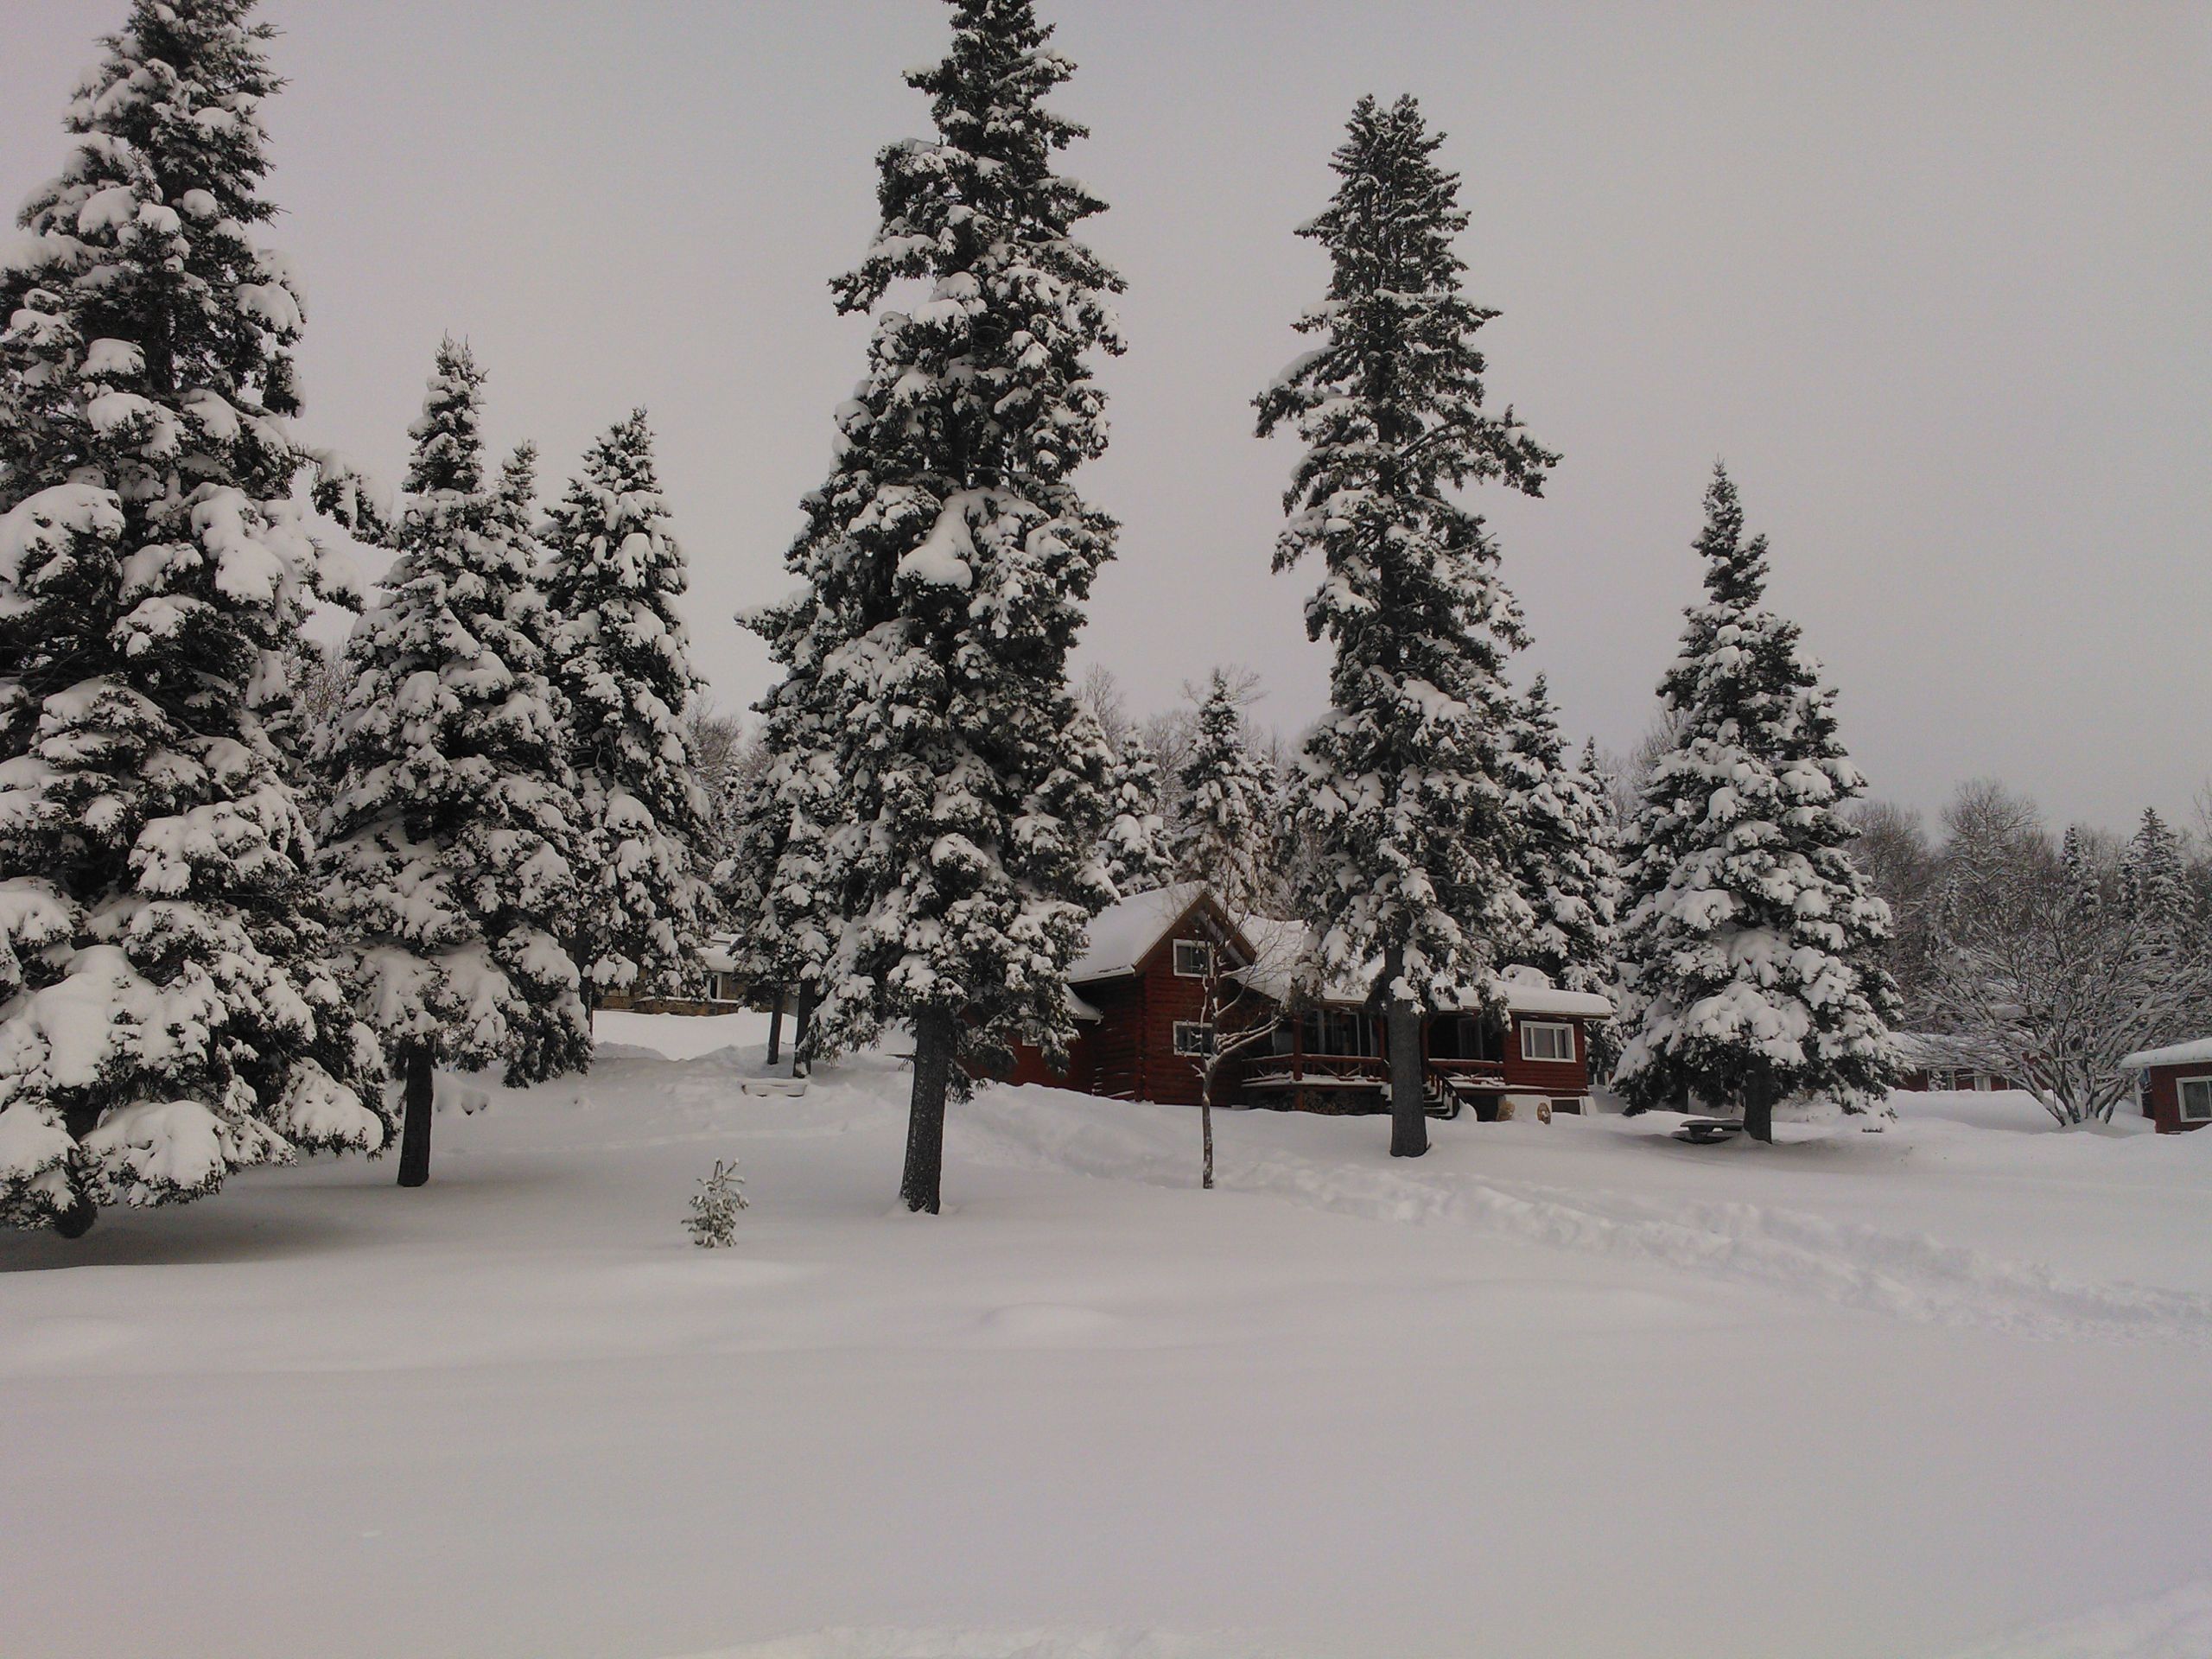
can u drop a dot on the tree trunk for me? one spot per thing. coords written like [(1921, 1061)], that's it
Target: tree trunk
[(76, 1220), (776, 1026), (802, 1062), (1758, 1115), (1205, 1130), (933, 1045), (415, 1115), (1402, 1032)]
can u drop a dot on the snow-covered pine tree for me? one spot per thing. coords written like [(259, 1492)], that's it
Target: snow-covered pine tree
[(1137, 856), (947, 559), (1403, 801), (1752, 944), (2168, 940), (774, 889), (622, 666), (1563, 858), (1227, 799), (448, 842), (1594, 804), (165, 1014)]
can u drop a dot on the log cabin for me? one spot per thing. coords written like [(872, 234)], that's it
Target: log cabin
[(2174, 1084), (1168, 981)]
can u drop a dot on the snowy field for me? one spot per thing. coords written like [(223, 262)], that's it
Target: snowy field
[(1558, 1391)]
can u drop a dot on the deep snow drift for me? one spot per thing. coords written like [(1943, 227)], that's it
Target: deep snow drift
[(1561, 1389)]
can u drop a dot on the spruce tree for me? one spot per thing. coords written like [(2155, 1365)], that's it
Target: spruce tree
[(773, 888), (447, 865), (1752, 941), (622, 665), (165, 1014), (1227, 801), (1563, 859), (1594, 804), (1136, 852), (1403, 804), (2168, 946), (946, 560)]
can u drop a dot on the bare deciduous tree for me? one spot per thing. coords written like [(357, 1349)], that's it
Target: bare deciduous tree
[(2037, 971), (1244, 1005)]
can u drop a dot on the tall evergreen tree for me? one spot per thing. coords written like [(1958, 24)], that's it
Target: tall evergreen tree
[(1752, 941), (1227, 800), (1563, 858), (622, 665), (1594, 804), (1403, 802), (447, 865), (774, 888), (165, 1016), (2168, 939), (1137, 855), (947, 559)]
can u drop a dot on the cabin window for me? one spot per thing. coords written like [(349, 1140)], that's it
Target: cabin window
[(1193, 959), (1193, 1038), (2195, 1099), (1340, 1031), (1463, 1036), (1542, 1041)]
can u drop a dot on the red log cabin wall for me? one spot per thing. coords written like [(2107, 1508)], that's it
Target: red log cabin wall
[(2162, 1095), (1029, 1064), (1560, 1077), (1159, 999)]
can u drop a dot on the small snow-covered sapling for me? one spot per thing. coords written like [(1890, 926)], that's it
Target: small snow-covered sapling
[(713, 1221)]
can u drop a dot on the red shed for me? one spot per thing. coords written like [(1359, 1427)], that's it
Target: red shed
[(2175, 1084)]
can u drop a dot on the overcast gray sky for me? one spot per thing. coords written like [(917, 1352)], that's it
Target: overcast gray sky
[(1936, 280)]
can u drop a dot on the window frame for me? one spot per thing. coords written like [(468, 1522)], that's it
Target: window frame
[(1212, 1040), (1528, 1027), (2181, 1098), (1176, 958)]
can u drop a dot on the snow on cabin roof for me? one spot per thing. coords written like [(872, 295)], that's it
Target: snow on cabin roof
[(2173, 1054), (1280, 945), (1123, 935), (715, 956)]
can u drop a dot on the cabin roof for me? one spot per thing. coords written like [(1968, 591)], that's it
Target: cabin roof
[(1281, 946), (2188, 1053), (1123, 935)]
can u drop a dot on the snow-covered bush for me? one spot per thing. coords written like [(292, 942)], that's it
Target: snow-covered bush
[(713, 1221)]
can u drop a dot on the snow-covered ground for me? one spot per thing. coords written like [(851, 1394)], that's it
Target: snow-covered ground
[(1562, 1390)]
